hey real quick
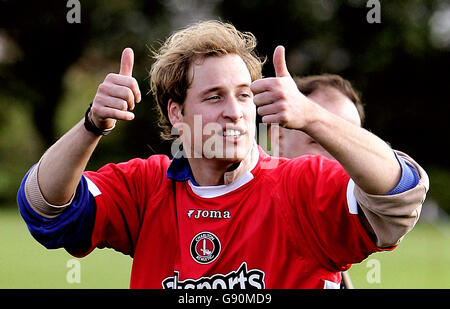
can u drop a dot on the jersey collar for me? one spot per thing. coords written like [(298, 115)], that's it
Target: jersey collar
[(180, 170)]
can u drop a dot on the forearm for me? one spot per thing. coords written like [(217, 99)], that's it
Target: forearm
[(62, 165), (368, 160)]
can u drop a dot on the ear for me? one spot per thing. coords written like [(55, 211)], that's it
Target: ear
[(174, 111)]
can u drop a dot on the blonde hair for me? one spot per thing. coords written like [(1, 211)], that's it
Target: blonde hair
[(169, 73)]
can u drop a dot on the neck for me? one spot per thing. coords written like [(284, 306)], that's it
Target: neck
[(213, 172), (209, 172)]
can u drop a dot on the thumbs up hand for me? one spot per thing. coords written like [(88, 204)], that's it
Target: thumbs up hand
[(116, 96), (278, 99)]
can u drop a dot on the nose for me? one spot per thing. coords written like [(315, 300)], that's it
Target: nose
[(232, 109)]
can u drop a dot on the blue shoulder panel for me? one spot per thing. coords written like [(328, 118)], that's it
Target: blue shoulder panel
[(72, 229)]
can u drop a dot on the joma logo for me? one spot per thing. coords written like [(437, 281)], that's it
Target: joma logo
[(214, 214)]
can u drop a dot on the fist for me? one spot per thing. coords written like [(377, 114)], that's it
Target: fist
[(278, 99), (117, 95)]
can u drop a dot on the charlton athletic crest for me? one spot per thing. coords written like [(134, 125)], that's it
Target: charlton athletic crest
[(205, 247)]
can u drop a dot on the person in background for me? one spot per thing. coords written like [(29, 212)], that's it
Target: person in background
[(333, 93), (338, 96)]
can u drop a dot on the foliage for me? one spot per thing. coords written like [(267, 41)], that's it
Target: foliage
[(50, 69)]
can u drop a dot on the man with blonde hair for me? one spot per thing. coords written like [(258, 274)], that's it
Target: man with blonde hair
[(217, 215)]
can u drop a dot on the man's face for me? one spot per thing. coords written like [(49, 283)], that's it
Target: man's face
[(294, 143), (218, 109)]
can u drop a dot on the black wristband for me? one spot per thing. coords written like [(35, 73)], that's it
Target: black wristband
[(91, 127)]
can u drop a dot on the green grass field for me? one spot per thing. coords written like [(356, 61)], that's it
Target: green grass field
[(422, 260)]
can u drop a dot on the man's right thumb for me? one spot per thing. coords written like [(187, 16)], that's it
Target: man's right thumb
[(127, 61)]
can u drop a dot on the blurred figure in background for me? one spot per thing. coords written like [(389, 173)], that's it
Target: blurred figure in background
[(333, 93)]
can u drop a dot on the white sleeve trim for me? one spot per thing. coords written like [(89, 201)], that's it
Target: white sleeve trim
[(331, 285), (351, 200), (92, 187)]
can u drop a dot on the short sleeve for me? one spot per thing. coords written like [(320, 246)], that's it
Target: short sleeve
[(121, 193), (326, 213)]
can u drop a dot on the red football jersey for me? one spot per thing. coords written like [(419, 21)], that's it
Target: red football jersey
[(293, 225)]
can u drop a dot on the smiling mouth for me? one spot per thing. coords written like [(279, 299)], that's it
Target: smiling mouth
[(232, 133)]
